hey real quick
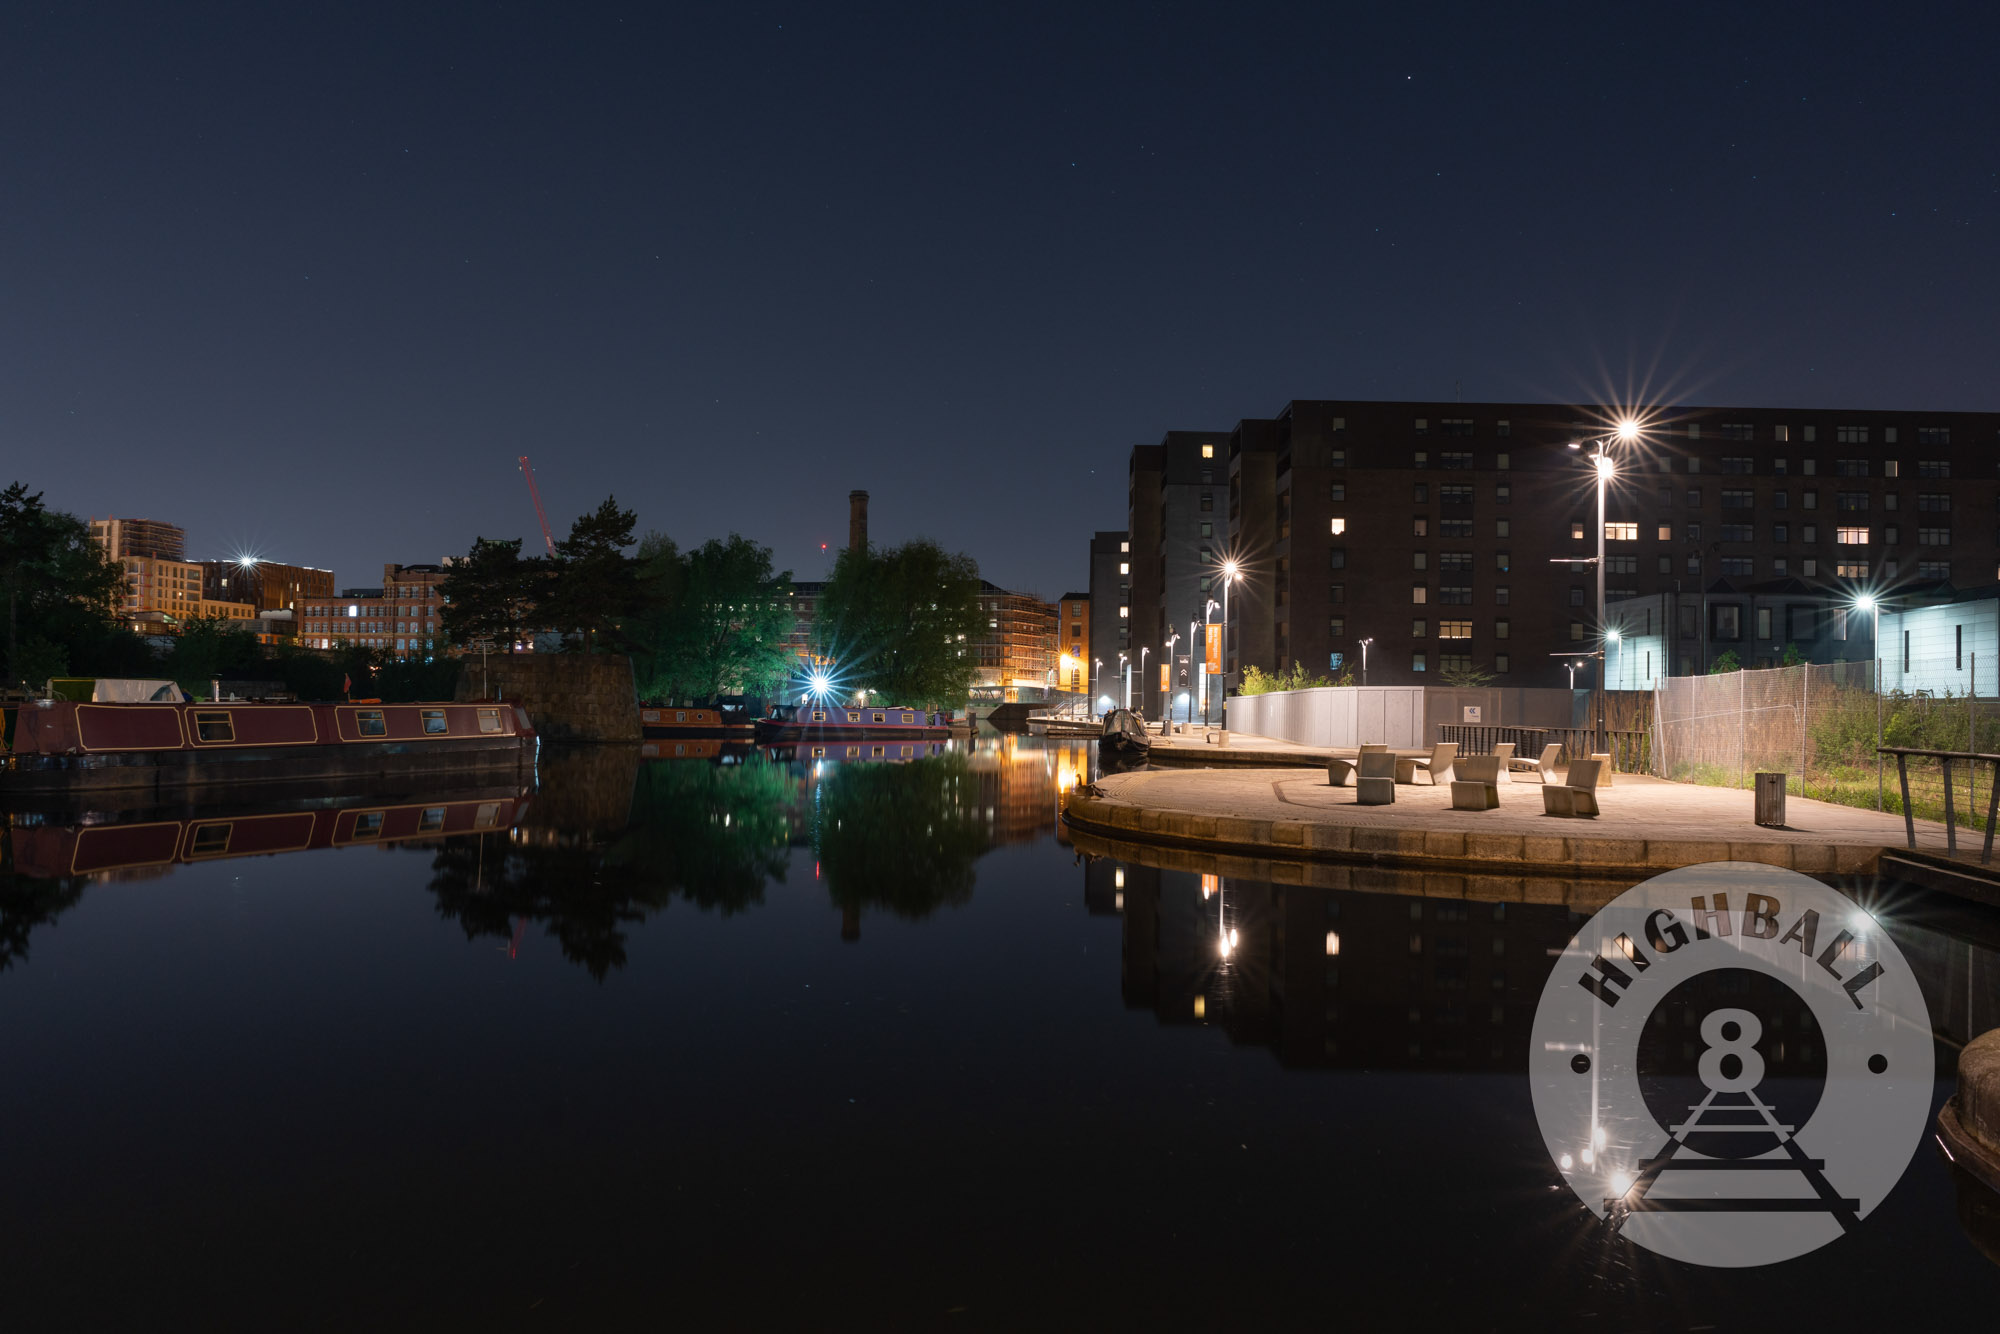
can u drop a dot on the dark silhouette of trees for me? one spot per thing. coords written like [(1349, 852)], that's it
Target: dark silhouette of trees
[(490, 594), (901, 623), (595, 586), (60, 590)]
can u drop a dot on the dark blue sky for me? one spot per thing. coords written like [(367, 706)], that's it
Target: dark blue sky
[(306, 279)]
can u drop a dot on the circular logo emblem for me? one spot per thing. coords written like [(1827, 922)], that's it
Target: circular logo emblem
[(1731, 1064)]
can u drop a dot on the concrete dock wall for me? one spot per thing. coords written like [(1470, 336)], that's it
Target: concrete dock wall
[(568, 696)]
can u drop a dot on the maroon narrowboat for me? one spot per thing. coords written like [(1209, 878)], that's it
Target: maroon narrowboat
[(64, 746)]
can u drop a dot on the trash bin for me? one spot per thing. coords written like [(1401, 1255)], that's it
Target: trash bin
[(1771, 800)]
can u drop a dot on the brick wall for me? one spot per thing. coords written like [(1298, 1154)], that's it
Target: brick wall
[(569, 696)]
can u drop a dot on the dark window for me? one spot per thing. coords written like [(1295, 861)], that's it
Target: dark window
[(1455, 493), (1337, 558), (1421, 493), (1851, 501), (1336, 593), (1337, 491), (211, 840), (1736, 500), (1726, 621), (1737, 431), (1737, 465), (489, 720), (1207, 501), (1740, 565), (1851, 435), (1694, 497), (1455, 562), (1455, 459), (1933, 502), (1933, 435), (1454, 528), (368, 722), (432, 819), (1738, 532), (1938, 468), (214, 727), (434, 722), (1455, 595), (368, 824)]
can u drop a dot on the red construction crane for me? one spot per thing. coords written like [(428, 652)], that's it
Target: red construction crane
[(534, 494)]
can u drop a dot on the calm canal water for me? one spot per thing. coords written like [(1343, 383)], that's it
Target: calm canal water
[(820, 1045)]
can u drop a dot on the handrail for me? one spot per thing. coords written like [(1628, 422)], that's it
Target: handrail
[(1944, 759)]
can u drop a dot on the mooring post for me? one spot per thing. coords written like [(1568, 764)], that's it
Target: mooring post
[(1903, 777)]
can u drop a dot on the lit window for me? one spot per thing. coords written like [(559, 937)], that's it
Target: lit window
[(1339, 527), (1621, 532), (1124, 567), (1851, 537), (1208, 451)]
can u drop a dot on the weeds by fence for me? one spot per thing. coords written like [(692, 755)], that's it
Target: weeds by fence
[(1820, 724)]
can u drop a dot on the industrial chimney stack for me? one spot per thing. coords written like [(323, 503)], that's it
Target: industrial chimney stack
[(857, 521)]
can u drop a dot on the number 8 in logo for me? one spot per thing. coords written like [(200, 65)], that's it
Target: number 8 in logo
[(1725, 1046)]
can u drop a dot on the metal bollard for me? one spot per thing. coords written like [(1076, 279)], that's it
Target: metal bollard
[(1771, 800)]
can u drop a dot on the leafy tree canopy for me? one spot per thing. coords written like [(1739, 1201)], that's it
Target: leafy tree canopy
[(901, 623), (595, 586), (720, 621), (490, 594), (60, 590)]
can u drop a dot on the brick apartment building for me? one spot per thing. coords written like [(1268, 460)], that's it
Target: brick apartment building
[(1073, 642), (1016, 648), (163, 590), (1438, 531), (269, 586), (404, 617)]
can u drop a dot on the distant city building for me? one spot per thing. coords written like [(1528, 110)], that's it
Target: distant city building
[(404, 617), (1073, 642), (267, 585), (1016, 647), (1110, 629), (121, 538), (1459, 537), (1178, 518)]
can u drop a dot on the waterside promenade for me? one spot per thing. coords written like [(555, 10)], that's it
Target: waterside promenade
[(1647, 824)]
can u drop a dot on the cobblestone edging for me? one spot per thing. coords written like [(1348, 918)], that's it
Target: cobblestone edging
[(1452, 849), (1969, 1122)]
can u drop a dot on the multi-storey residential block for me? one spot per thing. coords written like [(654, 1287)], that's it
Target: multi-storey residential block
[(267, 585), (1461, 537), (1073, 642), (1110, 627), (1016, 648)]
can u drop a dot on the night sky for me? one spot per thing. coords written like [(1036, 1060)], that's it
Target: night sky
[(306, 279)]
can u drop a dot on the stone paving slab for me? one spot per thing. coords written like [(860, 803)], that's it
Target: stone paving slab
[(1647, 824)]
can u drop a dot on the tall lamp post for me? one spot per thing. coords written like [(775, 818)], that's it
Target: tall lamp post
[(1142, 678), (1868, 602), (1167, 692), (1125, 670), (1364, 658), (1231, 572), (1212, 605), (1605, 468), (1096, 674)]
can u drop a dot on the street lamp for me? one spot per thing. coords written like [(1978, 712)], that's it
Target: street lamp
[(1231, 572), (1868, 602), (1605, 469), (1096, 671), (1142, 679), (1167, 691), (1125, 670), (1364, 659), (1619, 640)]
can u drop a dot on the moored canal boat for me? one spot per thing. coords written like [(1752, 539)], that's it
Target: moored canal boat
[(67, 746), (661, 723), (819, 723)]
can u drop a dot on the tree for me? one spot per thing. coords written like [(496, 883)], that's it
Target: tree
[(59, 586), (596, 587), (900, 623), (207, 647), (490, 594), (1725, 661), (722, 624), (1466, 676)]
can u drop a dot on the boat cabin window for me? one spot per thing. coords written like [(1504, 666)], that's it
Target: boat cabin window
[(489, 720), (819, 715), (434, 722), (681, 717), (877, 753), (881, 718), (487, 816), (369, 722), (909, 717), (819, 752), (853, 716), (368, 824), (210, 840), (649, 715), (432, 818), (214, 727)]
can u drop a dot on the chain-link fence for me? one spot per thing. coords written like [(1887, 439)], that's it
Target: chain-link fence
[(1821, 723)]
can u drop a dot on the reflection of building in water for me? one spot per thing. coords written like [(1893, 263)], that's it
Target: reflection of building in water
[(1333, 977), (1019, 783)]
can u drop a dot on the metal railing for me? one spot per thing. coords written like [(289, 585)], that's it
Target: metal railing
[(1631, 752), (1972, 760)]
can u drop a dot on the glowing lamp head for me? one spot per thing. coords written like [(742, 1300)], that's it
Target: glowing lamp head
[(1605, 467), (1866, 602), (1229, 569), (820, 683), (1628, 430), (1612, 635)]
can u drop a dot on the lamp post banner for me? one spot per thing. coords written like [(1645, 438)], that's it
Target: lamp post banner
[(1731, 1064)]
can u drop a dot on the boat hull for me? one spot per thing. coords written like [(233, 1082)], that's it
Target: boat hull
[(162, 748)]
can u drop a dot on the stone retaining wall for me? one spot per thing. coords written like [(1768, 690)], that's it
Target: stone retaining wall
[(569, 696)]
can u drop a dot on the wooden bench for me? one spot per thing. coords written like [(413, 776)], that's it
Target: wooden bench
[(1577, 794), (1475, 783)]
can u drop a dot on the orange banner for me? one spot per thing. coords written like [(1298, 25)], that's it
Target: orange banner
[(1213, 634), (1166, 676)]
